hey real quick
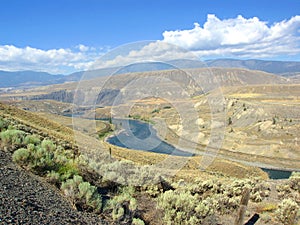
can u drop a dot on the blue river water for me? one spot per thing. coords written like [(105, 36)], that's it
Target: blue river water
[(138, 135), (277, 174)]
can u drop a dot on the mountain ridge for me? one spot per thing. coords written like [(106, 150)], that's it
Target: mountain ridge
[(25, 79)]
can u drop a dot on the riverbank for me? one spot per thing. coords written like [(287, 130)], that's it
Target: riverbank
[(145, 132)]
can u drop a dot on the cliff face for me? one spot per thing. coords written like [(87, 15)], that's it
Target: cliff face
[(61, 96)]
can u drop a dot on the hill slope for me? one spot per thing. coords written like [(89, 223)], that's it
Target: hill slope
[(107, 88), (33, 78)]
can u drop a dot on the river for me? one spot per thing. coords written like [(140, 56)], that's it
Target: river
[(134, 134), (138, 135)]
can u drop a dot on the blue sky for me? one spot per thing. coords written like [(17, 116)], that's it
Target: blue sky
[(76, 32)]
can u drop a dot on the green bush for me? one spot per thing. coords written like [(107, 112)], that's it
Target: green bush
[(12, 137), (137, 221), (59, 166), (3, 124), (32, 139), (21, 156), (88, 193), (48, 145), (45, 158), (83, 195), (67, 170), (43, 161), (287, 212), (123, 205), (184, 208)]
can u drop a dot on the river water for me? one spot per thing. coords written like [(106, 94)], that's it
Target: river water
[(277, 174), (134, 134)]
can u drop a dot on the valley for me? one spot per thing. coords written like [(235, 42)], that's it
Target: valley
[(229, 122)]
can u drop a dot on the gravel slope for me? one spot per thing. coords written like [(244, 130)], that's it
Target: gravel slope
[(27, 199)]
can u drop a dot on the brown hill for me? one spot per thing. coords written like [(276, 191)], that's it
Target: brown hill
[(193, 81)]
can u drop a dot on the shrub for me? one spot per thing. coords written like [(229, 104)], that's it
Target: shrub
[(290, 188), (53, 177), (82, 194), (48, 145), (67, 170), (152, 190), (43, 161), (155, 111), (137, 221), (123, 205), (259, 188), (223, 204), (294, 181), (287, 211), (12, 137), (184, 208), (32, 139), (21, 156), (3, 124), (70, 187), (88, 193)]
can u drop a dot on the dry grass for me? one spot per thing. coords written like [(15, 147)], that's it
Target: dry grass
[(49, 127)]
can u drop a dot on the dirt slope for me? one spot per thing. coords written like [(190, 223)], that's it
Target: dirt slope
[(26, 199)]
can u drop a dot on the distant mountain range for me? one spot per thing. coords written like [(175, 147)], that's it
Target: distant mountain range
[(28, 79), (284, 68), (32, 78)]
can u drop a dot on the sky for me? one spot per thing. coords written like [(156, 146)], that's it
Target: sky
[(63, 36)]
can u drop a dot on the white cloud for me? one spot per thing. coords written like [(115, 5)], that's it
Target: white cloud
[(84, 48), (239, 37), (150, 51), (60, 60), (235, 37)]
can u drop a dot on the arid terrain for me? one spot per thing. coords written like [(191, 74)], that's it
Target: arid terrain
[(237, 122)]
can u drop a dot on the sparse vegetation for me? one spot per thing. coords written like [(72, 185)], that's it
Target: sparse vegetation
[(202, 201), (137, 221), (287, 212), (229, 121), (180, 207), (58, 165), (123, 206), (13, 138), (274, 120), (83, 195), (155, 111)]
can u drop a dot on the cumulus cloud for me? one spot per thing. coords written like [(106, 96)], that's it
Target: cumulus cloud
[(61, 60), (239, 37), (234, 37)]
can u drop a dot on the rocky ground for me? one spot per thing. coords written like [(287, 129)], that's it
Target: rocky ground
[(26, 199)]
